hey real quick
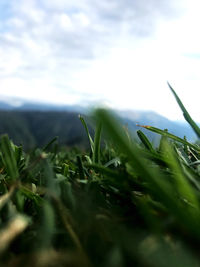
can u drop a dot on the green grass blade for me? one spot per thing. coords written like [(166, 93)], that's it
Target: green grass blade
[(47, 227), (182, 184), (50, 143), (186, 193), (88, 133), (97, 144), (8, 156), (171, 136), (113, 178), (115, 162), (49, 176), (106, 171), (65, 169), (67, 223), (145, 140), (18, 153), (80, 167), (185, 113), (158, 183), (138, 162)]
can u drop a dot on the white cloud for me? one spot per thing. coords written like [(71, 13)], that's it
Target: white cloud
[(66, 22), (82, 19), (120, 52)]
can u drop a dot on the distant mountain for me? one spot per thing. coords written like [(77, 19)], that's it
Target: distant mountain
[(24, 105), (37, 128), (33, 123), (48, 107), (5, 106)]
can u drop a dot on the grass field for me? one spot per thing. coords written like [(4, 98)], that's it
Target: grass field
[(120, 204)]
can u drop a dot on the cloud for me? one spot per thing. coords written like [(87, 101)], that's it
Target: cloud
[(51, 49)]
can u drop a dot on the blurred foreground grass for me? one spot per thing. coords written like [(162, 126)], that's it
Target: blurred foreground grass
[(120, 204)]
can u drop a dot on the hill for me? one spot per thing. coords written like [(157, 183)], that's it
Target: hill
[(37, 128), (35, 124)]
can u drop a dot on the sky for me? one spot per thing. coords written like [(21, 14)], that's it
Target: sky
[(119, 53)]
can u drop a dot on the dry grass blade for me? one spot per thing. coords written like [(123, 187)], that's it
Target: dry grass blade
[(6, 197), (15, 227)]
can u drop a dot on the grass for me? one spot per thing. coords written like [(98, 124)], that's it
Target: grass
[(120, 204)]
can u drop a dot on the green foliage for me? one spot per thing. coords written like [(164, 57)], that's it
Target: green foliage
[(120, 204), (9, 157), (88, 133), (97, 143), (185, 113)]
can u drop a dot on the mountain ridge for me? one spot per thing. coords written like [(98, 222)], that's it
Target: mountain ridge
[(53, 117)]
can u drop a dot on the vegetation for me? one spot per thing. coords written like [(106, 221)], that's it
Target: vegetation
[(36, 128), (120, 204)]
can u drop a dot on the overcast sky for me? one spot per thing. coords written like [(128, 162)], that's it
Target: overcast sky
[(117, 52)]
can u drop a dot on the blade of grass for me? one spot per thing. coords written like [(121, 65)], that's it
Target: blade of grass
[(6, 197), (50, 143), (139, 163), (158, 182), (18, 153), (9, 157), (183, 186), (15, 227), (88, 133), (47, 227), (97, 144), (115, 162), (81, 169), (171, 136), (185, 113), (192, 176), (49, 176), (145, 140), (67, 223), (107, 172)]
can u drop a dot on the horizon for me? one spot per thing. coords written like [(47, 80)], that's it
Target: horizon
[(120, 55), (17, 103)]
